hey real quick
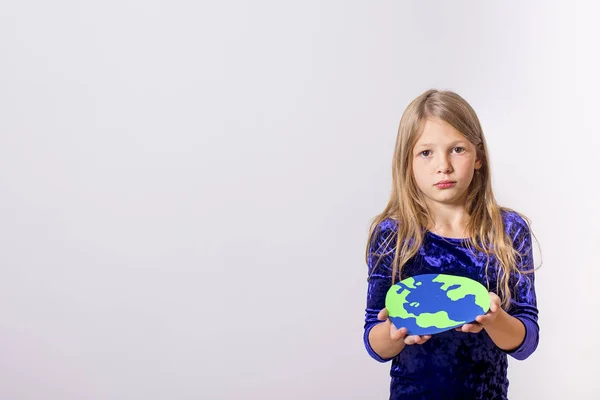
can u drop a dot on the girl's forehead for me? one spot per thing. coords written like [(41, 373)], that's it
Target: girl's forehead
[(438, 132)]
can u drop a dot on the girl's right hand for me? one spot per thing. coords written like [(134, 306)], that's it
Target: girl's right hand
[(401, 334)]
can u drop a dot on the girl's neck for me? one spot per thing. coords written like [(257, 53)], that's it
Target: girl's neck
[(449, 220)]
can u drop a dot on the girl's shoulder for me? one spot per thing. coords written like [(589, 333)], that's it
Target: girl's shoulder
[(388, 224), (383, 236), (515, 223), (385, 230)]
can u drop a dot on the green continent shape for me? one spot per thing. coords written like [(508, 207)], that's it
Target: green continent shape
[(467, 286), (395, 305), (410, 282), (395, 302), (439, 319)]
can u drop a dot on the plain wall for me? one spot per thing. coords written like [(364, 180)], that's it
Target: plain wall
[(186, 187)]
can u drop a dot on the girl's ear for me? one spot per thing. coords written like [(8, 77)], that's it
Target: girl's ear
[(479, 161)]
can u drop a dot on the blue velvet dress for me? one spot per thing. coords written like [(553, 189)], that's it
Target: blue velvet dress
[(453, 365)]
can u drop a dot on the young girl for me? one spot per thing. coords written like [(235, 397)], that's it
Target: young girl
[(442, 217)]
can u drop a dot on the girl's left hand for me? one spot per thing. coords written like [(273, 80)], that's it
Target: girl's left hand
[(482, 320)]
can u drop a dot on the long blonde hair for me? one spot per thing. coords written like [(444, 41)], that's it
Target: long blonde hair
[(407, 206)]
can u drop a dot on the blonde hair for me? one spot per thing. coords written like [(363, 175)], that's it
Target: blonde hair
[(407, 206)]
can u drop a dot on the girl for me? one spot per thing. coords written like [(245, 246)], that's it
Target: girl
[(442, 218)]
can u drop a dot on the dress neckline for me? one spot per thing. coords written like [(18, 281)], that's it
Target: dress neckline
[(449, 239)]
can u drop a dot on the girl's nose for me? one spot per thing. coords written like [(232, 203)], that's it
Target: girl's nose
[(444, 166)]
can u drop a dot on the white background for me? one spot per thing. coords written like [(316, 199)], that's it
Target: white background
[(185, 187)]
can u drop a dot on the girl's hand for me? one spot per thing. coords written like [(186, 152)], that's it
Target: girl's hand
[(401, 334), (481, 321)]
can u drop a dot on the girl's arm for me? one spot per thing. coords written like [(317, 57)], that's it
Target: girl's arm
[(517, 331), (381, 338), (507, 332), (376, 338), (385, 342)]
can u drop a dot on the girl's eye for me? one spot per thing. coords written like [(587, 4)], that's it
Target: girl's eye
[(425, 153), (459, 150)]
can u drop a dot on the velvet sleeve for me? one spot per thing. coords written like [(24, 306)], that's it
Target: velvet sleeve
[(523, 300), (379, 261)]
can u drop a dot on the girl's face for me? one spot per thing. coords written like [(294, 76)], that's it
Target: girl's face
[(443, 162)]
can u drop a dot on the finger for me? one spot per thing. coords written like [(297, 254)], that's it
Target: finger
[(484, 319), (495, 302), (397, 334), (383, 314), (425, 338), (412, 339), (472, 328), (493, 307), (402, 332), (469, 327)]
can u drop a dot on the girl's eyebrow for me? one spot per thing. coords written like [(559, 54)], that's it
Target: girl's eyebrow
[(433, 144)]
